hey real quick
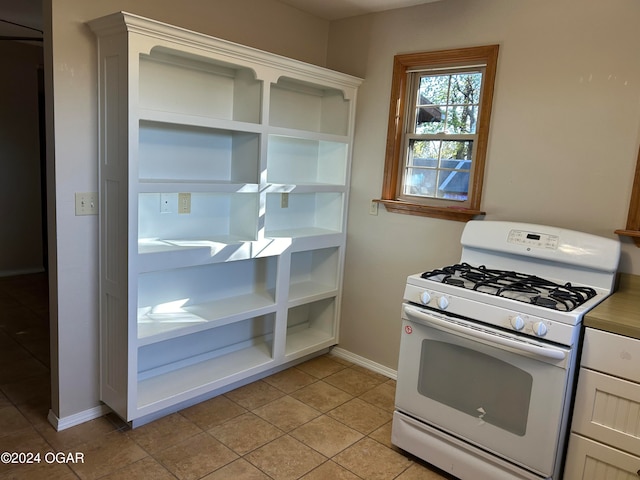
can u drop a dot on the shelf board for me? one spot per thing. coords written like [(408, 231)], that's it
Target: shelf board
[(155, 185), (158, 326), (188, 382), (174, 118), (310, 291), (307, 135), (158, 254), (212, 245), (306, 339), (300, 232)]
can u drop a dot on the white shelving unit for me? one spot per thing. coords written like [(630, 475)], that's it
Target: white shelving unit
[(224, 175)]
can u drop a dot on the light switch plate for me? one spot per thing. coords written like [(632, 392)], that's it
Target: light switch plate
[(184, 203), (87, 203)]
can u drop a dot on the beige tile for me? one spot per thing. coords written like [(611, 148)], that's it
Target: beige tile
[(340, 360), (21, 366), (240, 469), (145, 469), (290, 380), (24, 440), (330, 470), (245, 433), (383, 435), (36, 410), (353, 381), (106, 454), (326, 435), (213, 412), (74, 436), (164, 432), (254, 395), (285, 458), (286, 413), (196, 457), (11, 420), (4, 401), (378, 376), (373, 461), (381, 396), (360, 415), (321, 367), (27, 388), (322, 396), (39, 471)]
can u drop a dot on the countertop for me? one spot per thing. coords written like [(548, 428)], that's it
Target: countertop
[(620, 313)]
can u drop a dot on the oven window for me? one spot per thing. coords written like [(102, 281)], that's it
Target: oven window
[(477, 384)]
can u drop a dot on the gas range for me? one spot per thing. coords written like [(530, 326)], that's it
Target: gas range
[(488, 349), (533, 280)]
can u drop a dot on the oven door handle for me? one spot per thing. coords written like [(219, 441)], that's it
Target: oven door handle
[(427, 319)]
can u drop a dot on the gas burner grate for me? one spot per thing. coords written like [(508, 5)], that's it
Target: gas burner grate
[(513, 285)]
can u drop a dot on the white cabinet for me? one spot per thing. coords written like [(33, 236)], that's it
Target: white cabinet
[(605, 440), (224, 175)]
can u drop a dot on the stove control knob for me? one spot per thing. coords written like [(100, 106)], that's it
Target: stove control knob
[(425, 297), (517, 322), (443, 303), (539, 329)]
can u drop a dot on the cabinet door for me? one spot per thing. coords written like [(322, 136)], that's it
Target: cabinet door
[(608, 409), (589, 460)]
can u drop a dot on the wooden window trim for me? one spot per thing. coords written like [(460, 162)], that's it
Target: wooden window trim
[(397, 117), (633, 218)]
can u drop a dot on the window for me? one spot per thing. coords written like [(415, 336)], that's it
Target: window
[(438, 132)]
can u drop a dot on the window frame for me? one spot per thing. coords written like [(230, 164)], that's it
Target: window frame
[(398, 116)]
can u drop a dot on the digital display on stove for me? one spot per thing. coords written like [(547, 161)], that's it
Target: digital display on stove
[(532, 239)]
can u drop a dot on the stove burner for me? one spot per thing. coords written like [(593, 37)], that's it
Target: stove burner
[(513, 285)]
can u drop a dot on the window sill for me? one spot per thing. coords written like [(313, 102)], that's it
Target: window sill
[(634, 234), (445, 213)]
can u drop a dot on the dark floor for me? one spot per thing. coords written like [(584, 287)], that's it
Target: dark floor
[(323, 419)]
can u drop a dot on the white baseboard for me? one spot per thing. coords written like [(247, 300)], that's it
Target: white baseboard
[(77, 418), (364, 362)]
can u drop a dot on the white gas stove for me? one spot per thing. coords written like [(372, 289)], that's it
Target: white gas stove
[(489, 347)]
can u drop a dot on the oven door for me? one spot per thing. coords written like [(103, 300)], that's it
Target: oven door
[(497, 390)]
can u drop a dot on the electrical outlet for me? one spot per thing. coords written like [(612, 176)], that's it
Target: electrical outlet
[(373, 208), (168, 202), (87, 203), (284, 200), (184, 203)]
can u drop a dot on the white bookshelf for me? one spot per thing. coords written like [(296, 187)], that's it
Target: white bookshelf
[(224, 175)]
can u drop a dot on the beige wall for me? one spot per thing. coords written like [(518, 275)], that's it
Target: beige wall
[(72, 112), (562, 149), (566, 101)]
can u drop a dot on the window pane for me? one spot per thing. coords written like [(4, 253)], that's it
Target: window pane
[(465, 89), (421, 182), (438, 169), (462, 119), (448, 103)]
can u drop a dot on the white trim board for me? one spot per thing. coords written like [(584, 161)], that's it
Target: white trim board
[(77, 418)]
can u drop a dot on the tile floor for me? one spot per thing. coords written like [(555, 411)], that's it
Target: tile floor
[(323, 419)]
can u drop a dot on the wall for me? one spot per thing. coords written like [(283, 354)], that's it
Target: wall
[(20, 200), (72, 157), (562, 150)]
